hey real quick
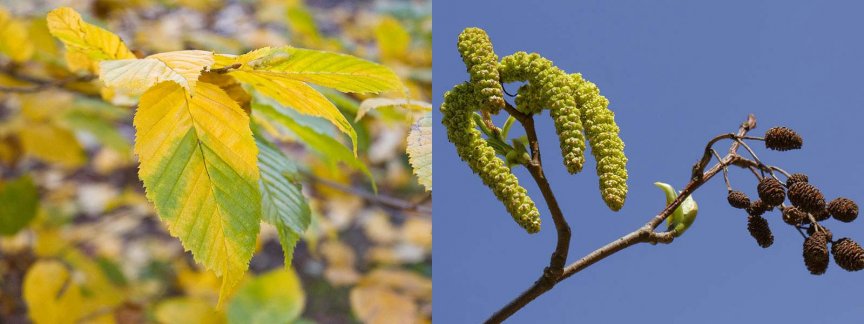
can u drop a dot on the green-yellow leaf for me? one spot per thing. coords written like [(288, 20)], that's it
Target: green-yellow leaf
[(95, 43), (420, 149), (282, 201), (298, 96), (325, 146), (375, 103), (103, 130), (273, 297), (199, 167), (13, 38), (134, 76), (19, 200), (393, 39), (342, 72), (187, 310), (301, 22)]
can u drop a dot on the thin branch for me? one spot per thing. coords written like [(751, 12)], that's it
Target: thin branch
[(42, 84), (378, 199), (778, 169), (553, 272), (725, 170)]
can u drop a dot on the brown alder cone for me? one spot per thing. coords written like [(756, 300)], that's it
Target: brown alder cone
[(757, 208), (806, 197), (738, 199), (824, 230), (843, 209), (816, 253), (821, 215), (848, 254), (771, 191), (759, 230), (793, 216), (782, 139), (796, 177)]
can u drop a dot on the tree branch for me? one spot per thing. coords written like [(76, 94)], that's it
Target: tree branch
[(41, 84), (645, 234), (378, 199)]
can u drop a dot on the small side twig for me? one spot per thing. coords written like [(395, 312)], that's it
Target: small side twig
[(226, 69), (379, 199)]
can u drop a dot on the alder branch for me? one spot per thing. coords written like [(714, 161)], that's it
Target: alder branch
[(645, 234)]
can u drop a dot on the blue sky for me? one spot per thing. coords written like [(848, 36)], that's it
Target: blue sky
[(677, 73)]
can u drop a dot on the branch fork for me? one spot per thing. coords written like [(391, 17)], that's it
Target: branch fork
[(558, 270)]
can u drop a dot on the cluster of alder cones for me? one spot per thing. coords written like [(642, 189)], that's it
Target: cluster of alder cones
[(808, 208)]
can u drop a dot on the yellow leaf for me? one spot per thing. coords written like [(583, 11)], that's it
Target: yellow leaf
[(417, 231), (273, 297), (77, 61), (375, 103), (379, 305), (51, 295), (340, 263), (342, 72), (45, 46), (199, 167), (407, 282), (95, 43), (203, 285), (393, 39), (52, 143), (419, 149), (135, 76), (187, 310), (298, 96), (230, 85), (13, 38)]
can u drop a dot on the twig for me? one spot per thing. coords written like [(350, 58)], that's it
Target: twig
[(378, 199), (725, 170), (226, 69), (41, 84), (645, 234), (553, 272)]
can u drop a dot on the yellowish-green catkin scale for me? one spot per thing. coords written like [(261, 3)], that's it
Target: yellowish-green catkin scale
[(482, 63), (528, 100), (459, 104), (606, 144), (553, 86)]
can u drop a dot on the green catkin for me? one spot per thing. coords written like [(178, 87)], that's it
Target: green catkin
[(528, 101), (482, 63), (606, 145), (553, 85), (457, 108)]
